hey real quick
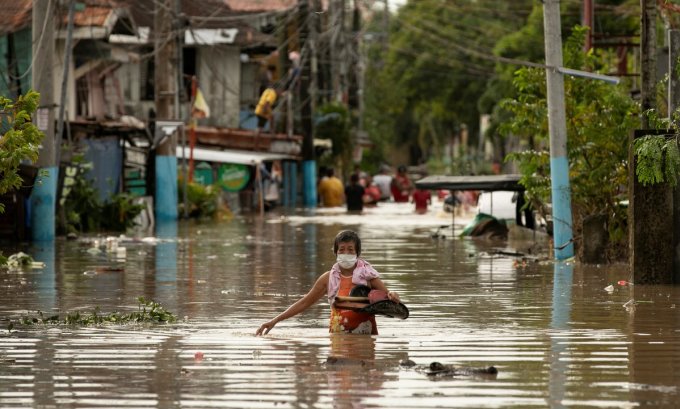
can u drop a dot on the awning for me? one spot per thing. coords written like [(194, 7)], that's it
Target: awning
[(484, 182), (232, 156)]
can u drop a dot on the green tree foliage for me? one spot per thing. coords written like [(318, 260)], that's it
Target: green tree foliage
[(442, 65), (613, 17), (425, 85), (21, 140), (600, 117), (202, 200)]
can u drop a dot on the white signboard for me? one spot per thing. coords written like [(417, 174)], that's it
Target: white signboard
[(42, 119)]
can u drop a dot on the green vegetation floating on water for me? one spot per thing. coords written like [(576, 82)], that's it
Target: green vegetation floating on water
[(148, 311), (19, 261)]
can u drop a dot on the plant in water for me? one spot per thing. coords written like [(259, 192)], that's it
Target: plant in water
[(202, 200), (19, 261), (148, 311), (658, 157), (83, 211)]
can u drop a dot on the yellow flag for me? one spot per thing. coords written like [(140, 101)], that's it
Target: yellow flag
[(200, 108)]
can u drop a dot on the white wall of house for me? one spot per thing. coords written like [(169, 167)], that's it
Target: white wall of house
[(219, 75), (130, 77)]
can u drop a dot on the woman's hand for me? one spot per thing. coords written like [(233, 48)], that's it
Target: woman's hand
[(265, 328), (392, 296)]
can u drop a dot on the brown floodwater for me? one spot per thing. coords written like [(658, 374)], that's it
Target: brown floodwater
[(556, 336)]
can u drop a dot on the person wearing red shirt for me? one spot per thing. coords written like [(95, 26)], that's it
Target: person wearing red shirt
[(422, 198), (401, 185)]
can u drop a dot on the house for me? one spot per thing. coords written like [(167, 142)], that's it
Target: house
[(226, 44)]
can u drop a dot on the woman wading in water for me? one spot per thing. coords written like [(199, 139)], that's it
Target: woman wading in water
[(348, 271)]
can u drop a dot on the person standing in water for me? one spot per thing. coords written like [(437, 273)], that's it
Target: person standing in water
[(354, 194), (348, 271)]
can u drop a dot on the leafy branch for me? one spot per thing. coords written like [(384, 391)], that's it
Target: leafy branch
[(21, 142), (658, 157)]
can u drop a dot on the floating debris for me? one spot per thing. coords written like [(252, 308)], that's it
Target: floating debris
[(437, 369)]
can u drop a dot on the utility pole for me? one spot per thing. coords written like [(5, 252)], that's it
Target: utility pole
[(361, 66), (649, 207), (336, 9), (305, 20), (559, 162), (314, 29), (673, 106), (588, 22), (44, 194), (165, 85), (64, 79)]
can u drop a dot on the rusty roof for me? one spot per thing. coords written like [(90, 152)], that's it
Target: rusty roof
[(92, 16), (15, 15)]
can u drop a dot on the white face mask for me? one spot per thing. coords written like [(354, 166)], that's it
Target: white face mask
[(347, 260)]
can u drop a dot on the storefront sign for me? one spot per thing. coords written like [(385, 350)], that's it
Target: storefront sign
[(233, 177)]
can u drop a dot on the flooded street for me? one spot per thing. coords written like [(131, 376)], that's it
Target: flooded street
[(557, 338)]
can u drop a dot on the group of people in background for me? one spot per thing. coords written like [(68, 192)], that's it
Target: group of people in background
[(366, 190)]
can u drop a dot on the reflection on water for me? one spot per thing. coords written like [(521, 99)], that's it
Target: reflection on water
[(556, 336)]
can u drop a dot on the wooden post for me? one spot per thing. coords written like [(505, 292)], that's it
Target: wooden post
[(673, 106), (650, 207), (192, 128)]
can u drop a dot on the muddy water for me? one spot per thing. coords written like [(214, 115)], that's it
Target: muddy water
[(557, 338)]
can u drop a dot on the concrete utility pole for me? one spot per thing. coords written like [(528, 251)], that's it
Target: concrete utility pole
[(165, 83), (356, 82), (649, 208), (64, 79), (307, 85), (336, 9), (44, 194), (559, 163)]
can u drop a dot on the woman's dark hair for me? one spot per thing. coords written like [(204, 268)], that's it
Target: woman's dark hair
[(345, 236)]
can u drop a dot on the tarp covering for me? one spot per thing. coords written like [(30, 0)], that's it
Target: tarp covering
[(484, 182)]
